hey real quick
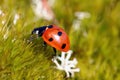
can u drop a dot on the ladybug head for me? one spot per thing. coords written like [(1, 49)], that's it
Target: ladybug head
[(39, 31)]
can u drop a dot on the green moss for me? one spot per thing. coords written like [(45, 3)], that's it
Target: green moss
[(96, 44)]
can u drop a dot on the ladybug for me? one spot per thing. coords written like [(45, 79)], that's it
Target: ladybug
[(53, 36)]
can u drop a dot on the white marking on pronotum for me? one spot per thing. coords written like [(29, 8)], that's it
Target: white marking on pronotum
[(37, 32)]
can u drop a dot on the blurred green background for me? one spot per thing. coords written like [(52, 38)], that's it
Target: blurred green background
[(95, 40)]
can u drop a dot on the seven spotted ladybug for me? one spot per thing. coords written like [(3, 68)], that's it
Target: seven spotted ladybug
[(53, 36)]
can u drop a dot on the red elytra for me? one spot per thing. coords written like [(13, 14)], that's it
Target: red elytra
[(57, 38)]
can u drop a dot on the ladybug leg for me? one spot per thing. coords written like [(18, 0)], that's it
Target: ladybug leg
[(44, 44), (54, 50)]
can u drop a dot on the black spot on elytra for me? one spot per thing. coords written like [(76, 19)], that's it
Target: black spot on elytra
[(63, 46), (50, 26), (59, 33), (50, 39)]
